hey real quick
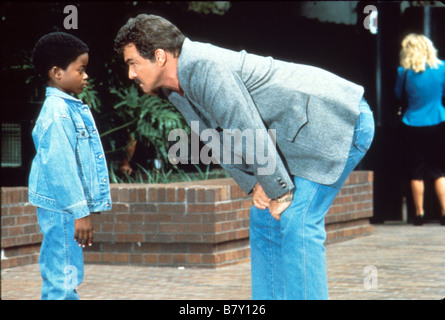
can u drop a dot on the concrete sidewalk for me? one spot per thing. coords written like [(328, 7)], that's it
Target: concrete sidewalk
[(395, 262)]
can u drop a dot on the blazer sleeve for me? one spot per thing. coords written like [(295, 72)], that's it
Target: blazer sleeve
[(222, 93)]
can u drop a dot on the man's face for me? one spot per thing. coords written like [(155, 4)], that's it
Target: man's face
[(146, 73)]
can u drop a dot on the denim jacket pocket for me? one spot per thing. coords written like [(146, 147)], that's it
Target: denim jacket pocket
[(84, 159), (82, 133)]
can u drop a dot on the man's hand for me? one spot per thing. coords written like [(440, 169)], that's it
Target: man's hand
[(277, 208), (262, 201), (125, 167), (83, 231), (259, 197)]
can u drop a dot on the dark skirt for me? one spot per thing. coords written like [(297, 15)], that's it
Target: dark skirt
[(424, 151)]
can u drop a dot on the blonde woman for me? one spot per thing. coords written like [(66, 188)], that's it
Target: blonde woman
[(421, 77)]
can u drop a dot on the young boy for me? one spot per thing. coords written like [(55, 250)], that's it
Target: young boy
[(69, 176)]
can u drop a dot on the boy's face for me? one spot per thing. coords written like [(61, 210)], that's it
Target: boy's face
[(73, 79)]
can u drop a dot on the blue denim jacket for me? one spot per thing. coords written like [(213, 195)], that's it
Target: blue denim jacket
[(69, 172)]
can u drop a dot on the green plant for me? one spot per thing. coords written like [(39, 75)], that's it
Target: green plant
[(147, 118), (33, 82), (162, 175), (91, 97), (207, 7)]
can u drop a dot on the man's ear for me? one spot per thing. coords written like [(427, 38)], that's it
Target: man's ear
[(55, 73), (160, 56)]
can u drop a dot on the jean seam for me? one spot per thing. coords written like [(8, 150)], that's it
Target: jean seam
[(304, 239), (67, 251), (271, 256)]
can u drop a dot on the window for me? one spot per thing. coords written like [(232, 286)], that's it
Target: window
[(11, 145)]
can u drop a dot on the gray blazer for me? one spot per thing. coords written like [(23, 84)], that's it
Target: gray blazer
[(313, 112)]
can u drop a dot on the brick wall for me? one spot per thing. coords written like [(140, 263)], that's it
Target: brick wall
[(202, 224), (20, 232), (349, 215)]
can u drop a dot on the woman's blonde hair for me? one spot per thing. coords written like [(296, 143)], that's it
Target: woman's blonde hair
[(417, 52)]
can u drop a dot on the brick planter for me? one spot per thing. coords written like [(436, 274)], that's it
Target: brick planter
[(203, 224), (21, 237), (195, 224)]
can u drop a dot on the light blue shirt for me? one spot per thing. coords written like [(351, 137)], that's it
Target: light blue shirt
[(424, 91), (69, 172)]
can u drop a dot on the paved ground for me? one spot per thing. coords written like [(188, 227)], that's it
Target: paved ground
[(395, 262)]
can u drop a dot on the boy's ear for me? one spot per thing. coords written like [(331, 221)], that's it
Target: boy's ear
[(55, 73)]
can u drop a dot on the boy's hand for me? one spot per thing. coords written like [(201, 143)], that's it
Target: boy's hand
[(83, 231)]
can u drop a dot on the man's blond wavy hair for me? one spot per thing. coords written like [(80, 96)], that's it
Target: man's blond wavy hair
[(417, 52)]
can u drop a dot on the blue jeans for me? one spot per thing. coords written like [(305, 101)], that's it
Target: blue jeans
[(288, 256), (61, 258)]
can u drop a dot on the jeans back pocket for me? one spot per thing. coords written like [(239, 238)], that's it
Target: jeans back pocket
[(364, 132)]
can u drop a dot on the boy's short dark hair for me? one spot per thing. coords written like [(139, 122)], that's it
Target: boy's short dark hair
[(148, 33), (56, 49)]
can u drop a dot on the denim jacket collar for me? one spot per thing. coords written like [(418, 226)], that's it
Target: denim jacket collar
[(51, 91)]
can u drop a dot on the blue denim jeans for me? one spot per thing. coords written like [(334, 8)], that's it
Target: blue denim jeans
[(288, 256), (61, 258)]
